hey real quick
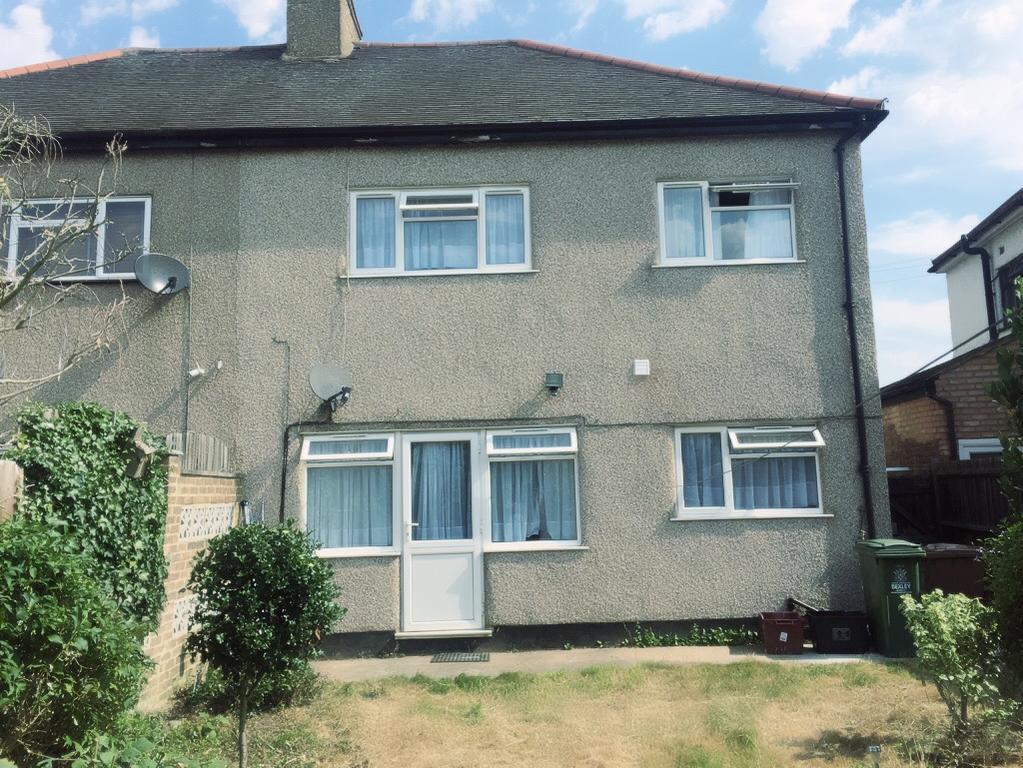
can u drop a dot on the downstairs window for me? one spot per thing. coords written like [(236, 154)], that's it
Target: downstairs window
[(748, 471)]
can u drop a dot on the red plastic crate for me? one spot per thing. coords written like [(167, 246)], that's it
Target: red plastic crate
[(782, 631)]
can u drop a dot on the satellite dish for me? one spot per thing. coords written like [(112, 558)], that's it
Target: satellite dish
[(161, 274), (332, 384)]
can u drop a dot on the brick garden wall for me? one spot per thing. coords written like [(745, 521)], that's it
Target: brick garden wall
[(198, 508), (916, 431)]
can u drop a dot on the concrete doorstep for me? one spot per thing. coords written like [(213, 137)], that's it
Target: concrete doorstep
[(536, 662)]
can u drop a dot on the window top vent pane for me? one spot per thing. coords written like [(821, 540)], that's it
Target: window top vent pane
[(775, 438), (511, 443), (349, 447)]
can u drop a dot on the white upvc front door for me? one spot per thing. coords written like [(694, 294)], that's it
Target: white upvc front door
[(442, 548)]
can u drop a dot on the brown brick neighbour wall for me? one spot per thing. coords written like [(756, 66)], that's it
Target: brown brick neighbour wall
[(915, 429), (188, 497)]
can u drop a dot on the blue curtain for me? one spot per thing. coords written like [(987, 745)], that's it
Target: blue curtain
[(374, 232), (441, 491), (783, 482), (342, 446), (349, 506), (741, 234), (533, 500), (702, 476), (439, 244), (506, 230), (683, 222), (549, 440)]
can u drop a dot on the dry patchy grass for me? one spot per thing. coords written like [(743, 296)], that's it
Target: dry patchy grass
[(743, 715)]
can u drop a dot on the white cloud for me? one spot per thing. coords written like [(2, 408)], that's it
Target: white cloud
[(583, 10), (143, 38), (792, 30), (909, 335), (922, 233), (259, 18), (856, 85), (953, 80), (445, 14), (663, 19), (25, 38), (95, 11), (142, 8)]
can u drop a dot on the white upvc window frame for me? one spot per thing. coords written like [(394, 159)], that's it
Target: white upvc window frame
[(507, 455), (16, 223), (709, 258), (387, 454), (375, 459), (400, 197), (728, 510), (735, 436), (981, 446)]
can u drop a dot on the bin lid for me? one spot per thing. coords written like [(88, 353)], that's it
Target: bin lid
[(964, 551), (891, 548)]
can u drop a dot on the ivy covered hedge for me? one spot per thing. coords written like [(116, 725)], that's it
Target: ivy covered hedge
[(77, 459)]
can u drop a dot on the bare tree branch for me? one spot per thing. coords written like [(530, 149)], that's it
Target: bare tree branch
[(48, 243)]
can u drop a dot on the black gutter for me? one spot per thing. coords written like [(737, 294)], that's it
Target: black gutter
[(985, 265), (483, 134), (854, 343), (950, 416), (284, 458)]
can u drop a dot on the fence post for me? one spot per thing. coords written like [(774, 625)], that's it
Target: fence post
[(11, 478), (938, 504)]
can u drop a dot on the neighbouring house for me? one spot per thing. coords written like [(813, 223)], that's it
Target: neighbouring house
[(943, 412), (607, 324)]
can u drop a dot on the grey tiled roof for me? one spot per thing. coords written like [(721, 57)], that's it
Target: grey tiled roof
[(385, 86)]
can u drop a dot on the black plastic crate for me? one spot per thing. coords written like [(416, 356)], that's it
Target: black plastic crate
[(839, 631)]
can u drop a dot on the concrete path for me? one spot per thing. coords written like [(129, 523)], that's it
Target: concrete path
[(348, 670)]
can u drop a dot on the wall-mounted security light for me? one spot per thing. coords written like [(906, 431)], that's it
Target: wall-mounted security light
[(554, 382)]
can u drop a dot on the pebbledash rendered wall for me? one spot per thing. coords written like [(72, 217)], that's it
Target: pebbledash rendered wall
[(265, 234)]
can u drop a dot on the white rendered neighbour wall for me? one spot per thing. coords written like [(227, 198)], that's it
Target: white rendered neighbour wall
[(966, 308)]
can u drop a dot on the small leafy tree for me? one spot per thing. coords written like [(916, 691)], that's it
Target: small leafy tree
[(264, 601), (1004, 556), (70, 662), (76, 458), (956, 644)]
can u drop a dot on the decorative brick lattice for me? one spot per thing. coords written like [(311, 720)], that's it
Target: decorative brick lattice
[(203, 521), (183, 610)]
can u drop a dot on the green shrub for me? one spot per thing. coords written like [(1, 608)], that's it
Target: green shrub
[(263, 602), (212, 693), (956, 646), (70, 662), (76, 458), (1004, 564), (645, 637)]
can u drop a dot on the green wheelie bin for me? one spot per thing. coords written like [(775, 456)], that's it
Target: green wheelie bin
[(890, 569)]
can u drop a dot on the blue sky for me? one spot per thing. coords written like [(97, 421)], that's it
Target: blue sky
[(952, 70)]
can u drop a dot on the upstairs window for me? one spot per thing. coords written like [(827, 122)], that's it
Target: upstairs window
[(748, 471), (1007, 277), (453, 231), (43, 226), (707, 223)]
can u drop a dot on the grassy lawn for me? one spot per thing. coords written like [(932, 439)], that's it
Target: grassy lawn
[(734, 716)]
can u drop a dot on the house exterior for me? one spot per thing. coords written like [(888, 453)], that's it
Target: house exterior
[(603, 362), (944, 412)]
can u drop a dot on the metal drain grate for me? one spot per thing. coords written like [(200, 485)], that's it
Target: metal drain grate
[(445, 658)]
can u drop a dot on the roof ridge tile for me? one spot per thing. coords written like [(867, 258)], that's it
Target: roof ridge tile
[(64, 63)]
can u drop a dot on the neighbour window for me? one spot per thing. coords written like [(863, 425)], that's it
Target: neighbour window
[(748, 471), (440, 231), (704, 223), (350, 491), (533, 485), (1007, 277), (121, 235)]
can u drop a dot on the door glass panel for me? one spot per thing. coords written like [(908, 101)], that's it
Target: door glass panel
[(441, 491)]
